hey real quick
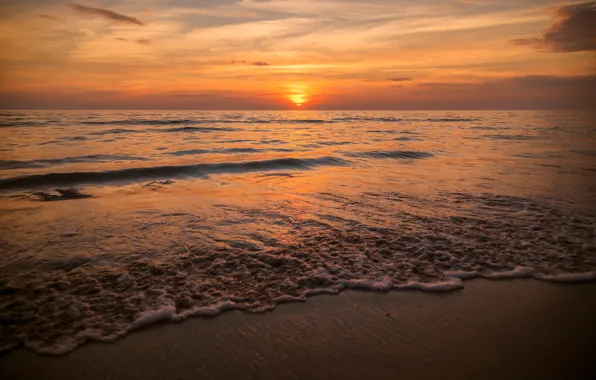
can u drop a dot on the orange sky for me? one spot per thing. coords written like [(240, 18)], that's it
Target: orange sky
[(276, 54)]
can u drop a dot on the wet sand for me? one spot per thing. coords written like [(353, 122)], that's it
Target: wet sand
[(514, 329)]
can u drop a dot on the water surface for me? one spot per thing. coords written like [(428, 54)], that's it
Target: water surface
[(114, 220)]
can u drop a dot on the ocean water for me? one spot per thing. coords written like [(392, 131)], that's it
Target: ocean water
[(113, 220)]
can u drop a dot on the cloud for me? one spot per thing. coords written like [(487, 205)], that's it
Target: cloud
[(48, 17), (142, 41), (573, 32), (244, 62), (106, 13), (399, 79), (520, 92)]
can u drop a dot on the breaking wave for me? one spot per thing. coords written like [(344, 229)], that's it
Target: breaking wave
[(165, 172), (104, 296), (167, 130), (42, 163)]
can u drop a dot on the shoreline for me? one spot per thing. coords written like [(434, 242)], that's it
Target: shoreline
[(454, 281), (511, 328)]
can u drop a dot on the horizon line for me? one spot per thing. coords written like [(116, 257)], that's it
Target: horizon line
[(297, 109)]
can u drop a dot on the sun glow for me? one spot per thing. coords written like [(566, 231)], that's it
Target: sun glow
[(298, 99), (298, 94)]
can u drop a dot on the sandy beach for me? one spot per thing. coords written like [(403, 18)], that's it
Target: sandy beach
[(514, 329)]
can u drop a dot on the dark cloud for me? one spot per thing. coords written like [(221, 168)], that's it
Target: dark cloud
[(106, 13), (142, 41), (244, 62), (574, 31), (523, 92), (399, 79), (551, 81), (48, 17)]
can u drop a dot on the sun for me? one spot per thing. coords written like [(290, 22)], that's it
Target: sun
[(298, 99), (298, 94)]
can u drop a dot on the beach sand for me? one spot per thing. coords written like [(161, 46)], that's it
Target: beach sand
[(508, 329)]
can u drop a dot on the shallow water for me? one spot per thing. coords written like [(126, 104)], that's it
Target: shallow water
[(191, 213)]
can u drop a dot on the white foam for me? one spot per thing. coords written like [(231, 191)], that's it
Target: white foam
[(517, 272), (461, 274), (164, 313), (208, 311), (59, 349), (68, 344), (316, 291), (383, 284), (568, 277), (288, 298), (452, 283)]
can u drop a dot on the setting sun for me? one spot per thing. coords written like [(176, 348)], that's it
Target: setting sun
[(298, 93), (298, 99)]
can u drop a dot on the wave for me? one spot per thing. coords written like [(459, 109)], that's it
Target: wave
[(139, 122), (236, 120), (227, 151), (365, 118), (487, 128), (526, 155), (389, 131), (197, 129), (12, 114), (59, 141), (510, 137), (399, 120), (400, 154), (167, 130), (42, 163), (165, 172), (450, 119), (335, 143), (115, 131), (585, 152), (189, 152), (294, 252), (12, 123), (174, 312)]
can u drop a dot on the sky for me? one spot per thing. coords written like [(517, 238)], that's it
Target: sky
[(297, 54)]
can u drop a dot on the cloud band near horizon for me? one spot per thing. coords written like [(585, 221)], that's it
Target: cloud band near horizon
[(106, 13)]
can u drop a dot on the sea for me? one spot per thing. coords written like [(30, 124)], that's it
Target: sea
[(111, 221)]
